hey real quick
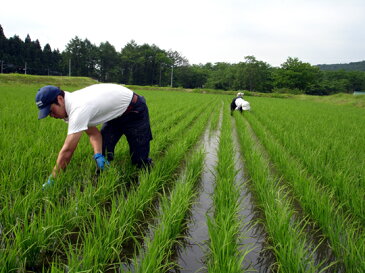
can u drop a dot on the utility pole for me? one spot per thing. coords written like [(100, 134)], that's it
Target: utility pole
[(69, 67), (159, 82), (25, 69), (172, 73)]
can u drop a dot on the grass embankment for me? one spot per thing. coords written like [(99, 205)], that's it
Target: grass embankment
[(337, 99), (61, 81)]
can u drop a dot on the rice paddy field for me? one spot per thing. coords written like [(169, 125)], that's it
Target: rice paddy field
[(278, 189)]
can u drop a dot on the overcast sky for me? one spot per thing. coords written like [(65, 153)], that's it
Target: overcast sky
[(315, 31)]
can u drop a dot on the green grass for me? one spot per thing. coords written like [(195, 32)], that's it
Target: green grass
[(61, 81), (337, 99)]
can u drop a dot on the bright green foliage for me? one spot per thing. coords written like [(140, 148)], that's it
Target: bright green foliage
[(82, 216), (173, 212), (224, 226), (288, 240), (95, 224), (325, 174), (296, 75)]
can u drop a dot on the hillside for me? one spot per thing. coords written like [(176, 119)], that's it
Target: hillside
[(355, 66)]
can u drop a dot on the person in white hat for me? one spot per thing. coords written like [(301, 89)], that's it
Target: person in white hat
[(238, 103)]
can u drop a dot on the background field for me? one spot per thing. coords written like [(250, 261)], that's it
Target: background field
[(303, 177)]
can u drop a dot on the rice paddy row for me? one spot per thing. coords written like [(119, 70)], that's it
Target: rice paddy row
[(301, 173)]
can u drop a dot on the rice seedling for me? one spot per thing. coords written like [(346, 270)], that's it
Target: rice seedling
[(287, 236), (344, 232), (67, 199), (159, 247), (224, 226), (128, 212), (322, 145), (87, 223)]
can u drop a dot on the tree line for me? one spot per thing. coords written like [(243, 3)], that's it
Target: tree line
[(149, 65), (352, 66)]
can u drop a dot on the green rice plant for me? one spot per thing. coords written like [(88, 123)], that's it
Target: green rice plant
[(345, 233), (91, 234), (75, 197), (128, 212), (224, 226), (166, 131), (164, 140), (159, 247), (39, 233), (215, 120), (84, 222), (161, 110), (286, 235), (329, 145)]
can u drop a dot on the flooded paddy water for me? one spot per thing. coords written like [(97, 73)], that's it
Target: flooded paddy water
[(192, 254), (253, 238), (191, 257)]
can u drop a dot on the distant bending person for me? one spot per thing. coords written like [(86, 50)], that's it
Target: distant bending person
[(238, 103), (120, 110)]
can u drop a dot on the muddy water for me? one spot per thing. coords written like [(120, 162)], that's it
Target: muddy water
[(191, 256), (253, 235)]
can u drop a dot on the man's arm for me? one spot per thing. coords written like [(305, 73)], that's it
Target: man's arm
[(65, 154), (96, 139)]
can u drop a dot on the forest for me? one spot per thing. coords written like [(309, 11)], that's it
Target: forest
[(149, 65)]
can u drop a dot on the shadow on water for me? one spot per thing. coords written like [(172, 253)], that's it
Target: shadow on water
[(258, 259), (191, 256)]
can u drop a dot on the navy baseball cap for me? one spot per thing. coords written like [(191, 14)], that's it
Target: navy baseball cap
[(44, 98)]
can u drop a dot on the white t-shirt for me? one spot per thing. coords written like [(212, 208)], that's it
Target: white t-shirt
[(242, 103), (95, 104)]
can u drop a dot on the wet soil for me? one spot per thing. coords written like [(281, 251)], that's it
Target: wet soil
[(191, 257), (258, 259)]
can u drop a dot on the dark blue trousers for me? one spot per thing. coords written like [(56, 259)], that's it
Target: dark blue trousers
[(135, 125)]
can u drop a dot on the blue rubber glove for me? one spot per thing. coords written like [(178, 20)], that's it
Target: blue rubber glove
[(49, 182), (101, 162)]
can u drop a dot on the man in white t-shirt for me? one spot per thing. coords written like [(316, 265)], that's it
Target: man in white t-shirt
[(121, 112), (238, 103)]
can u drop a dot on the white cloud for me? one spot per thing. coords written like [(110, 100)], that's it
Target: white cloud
[(321, 31)]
